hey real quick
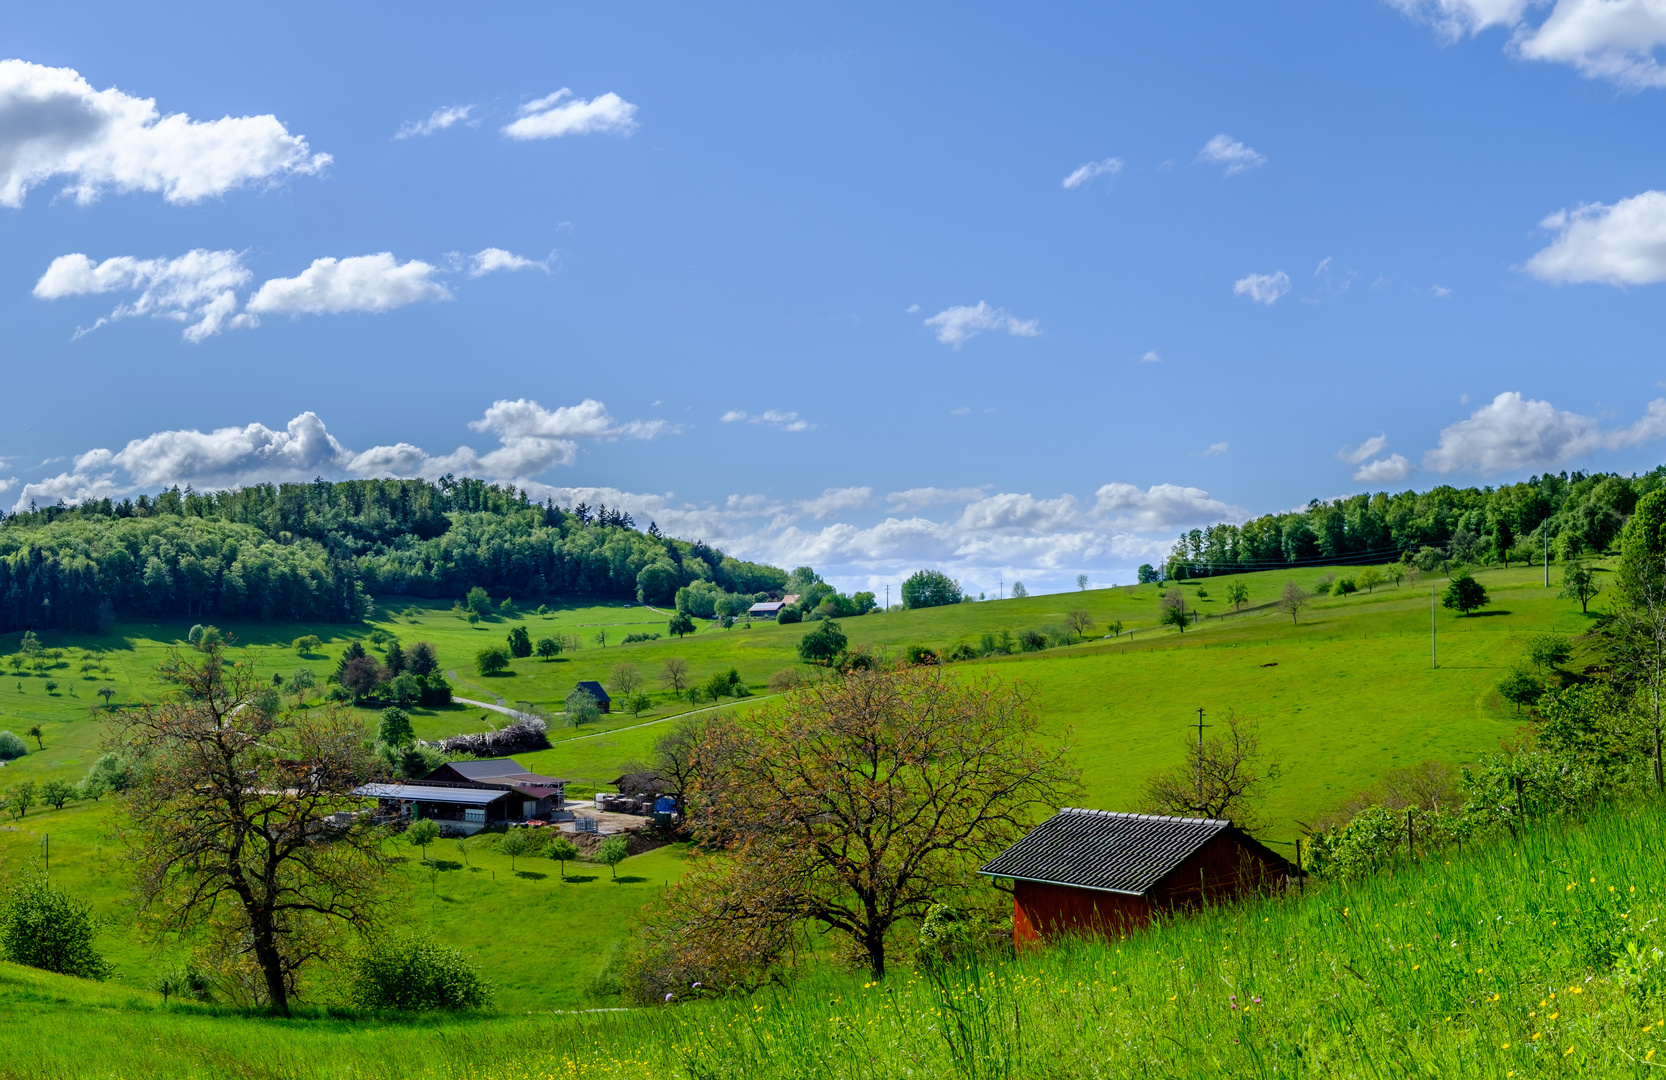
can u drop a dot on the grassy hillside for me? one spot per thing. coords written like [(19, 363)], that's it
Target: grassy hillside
[(1534, 959), (1341, 696)]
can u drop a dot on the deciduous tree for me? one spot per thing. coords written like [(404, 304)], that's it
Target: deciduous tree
[(1579, 582), (1464, 594), (673, 674), (1224, 778), (229, 823), (860, 801), (1078, 622), (1292, 600)]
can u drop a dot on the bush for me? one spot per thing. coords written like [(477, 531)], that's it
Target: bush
[(960, 650), (632, 639), (11, 746), (1343, 587), (822, 644), (789, 615), (1032, 641), (919, 654), (435, 692), (41, 927), (414, 972)]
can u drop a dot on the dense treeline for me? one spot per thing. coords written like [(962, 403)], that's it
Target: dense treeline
[(1575, 514), (318, 552)]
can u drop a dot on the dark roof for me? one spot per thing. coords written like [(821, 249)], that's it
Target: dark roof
[(486, 768), (1100, 849), (594, 689), (767, 608), (460, 796)]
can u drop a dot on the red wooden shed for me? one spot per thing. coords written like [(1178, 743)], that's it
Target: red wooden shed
[(1096, 871)]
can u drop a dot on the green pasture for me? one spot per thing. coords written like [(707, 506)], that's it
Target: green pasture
[(1533, 958), (1341, 695)]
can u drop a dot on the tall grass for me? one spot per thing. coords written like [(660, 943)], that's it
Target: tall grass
[(1537, 958)]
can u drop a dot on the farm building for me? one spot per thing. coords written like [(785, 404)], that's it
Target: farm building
[(1095, 871), (540, 796), (594, 689), (769, 609), (461, 808)]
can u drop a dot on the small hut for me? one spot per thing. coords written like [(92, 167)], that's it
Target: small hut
[(1097, 871)]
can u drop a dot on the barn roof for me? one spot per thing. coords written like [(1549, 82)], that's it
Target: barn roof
[(594, 689), (486, 768), (1104, 850), (458, 796)]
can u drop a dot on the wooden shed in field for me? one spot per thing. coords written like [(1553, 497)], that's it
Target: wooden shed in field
[(1100, 872)]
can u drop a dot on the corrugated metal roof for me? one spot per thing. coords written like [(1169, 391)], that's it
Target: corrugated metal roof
[(1100, 849), (594, 689), (486, 768), (461, 796)]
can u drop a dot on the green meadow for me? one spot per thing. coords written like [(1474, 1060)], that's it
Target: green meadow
[(1342, 694)]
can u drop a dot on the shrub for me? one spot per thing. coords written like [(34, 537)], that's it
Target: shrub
[(822, 644), (632, 639), (785, 680), (11, 746), (960, 650), (41, 927), (415, 972), (1343, 586), (789, 615), (1032, 641), (919, 654), (435, 691)]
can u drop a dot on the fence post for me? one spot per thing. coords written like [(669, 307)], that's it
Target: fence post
[(1299, 871), (1410, 849), (1521, 804)]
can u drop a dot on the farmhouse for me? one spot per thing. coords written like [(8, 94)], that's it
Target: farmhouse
[(769, 609), (1095, 871), (509, 775), (594, 689)]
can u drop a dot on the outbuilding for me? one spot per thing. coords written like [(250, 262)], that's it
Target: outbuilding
[(537, 796), (460, 808), (769, 609), (1102, 872), (594, 689)]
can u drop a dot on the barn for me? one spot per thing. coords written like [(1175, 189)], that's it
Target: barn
[(1101, 872), (595, 690)]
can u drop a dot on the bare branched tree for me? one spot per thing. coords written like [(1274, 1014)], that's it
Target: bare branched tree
[(1225, 777), (863, 800), (228, 823), (673, 674), (1078, 622), (1292, 600)]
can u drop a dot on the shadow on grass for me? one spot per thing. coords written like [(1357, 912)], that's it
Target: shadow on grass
[(629, 879), (531, 875), (1487, 614), (579, 879), (447, 865)]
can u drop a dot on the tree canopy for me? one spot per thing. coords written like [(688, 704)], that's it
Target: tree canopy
[(929, 588)]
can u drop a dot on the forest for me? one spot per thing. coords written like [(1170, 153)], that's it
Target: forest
[(1570, 514), (320, 551)]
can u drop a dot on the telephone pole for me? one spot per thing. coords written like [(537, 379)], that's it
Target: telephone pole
[(1547, 557), (1434, 657), (1200, 726)]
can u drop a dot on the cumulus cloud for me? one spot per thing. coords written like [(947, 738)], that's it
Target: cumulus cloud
[(438, 120), (921, 497), (531, 440), (1619, 244), (1151, 357), (54, 124), (786, 421), (491, 260), (1615, 40), (198, 288), (958, 325), (834, 500), (1512, 432), (1216, 449), (1262, 288), (1389, 470), (333, 286), (1353, 455), (1109, 167), (1229, 152), (1161, 507), (562, 114)]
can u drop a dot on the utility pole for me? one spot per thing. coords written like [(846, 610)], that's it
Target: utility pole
[(887, 596), (1434, 656), (1001, 586), (1200, 726), (1547, 558)]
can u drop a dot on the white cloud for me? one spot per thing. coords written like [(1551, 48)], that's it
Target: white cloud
[(1353, 455), (198, 288), (531, 440), (53, 123), (563, 114), (958, 325), (359, 283), (834, 500), (1263, 288), (1109, 167), (1216, 449), (1512, 432), (1619, 244), (438, 120), (1601, 39), (1151, 357), (1161, 507), (491, 260), (1227, 151), (921, 497), (786, 421), (1388, 470)]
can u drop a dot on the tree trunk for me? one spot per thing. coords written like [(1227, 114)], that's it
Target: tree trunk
[(271, 966)]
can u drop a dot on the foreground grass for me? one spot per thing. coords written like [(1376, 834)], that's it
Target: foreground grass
[(1493, 963)]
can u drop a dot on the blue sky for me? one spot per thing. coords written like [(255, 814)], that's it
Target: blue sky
[(1019, 293)]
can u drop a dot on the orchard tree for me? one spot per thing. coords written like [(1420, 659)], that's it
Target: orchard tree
[(1224, 778), (673, 674), (1082, 582), (491, 661), (681, 623), (395, 728), (520, 643), (1292, 600), (231, 826), (613, 851), (624, 680), (1237, 594), (1078, 622), (822, 644), (862, 801), (1464, 594), (1370, 578), (562, 851), (549, 648), (582, 707), (1579, 582), (1173, 610)]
